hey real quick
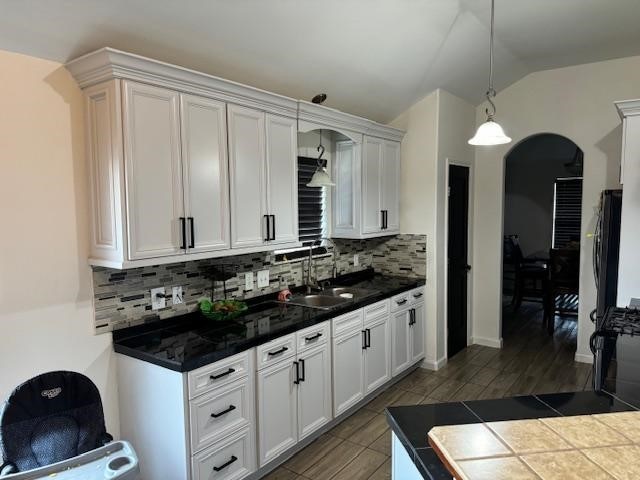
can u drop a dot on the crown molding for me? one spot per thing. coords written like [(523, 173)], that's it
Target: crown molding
[(331, 118), (628, 108), (108, 63)]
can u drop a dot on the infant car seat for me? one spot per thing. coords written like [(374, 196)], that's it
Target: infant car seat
[(50, 418)]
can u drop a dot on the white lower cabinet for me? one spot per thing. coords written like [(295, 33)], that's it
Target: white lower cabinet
[(230, 459), (407, 330), (294, 392), (361, 360)]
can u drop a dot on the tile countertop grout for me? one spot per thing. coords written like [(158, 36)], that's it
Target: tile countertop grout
[(402, 419), (186, 342)]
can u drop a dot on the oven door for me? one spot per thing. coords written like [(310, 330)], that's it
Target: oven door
[(617, 366)]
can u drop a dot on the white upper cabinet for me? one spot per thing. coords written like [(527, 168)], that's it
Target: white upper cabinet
[(205, 173), (282, 141), (247, 164), (366, 198), (155, 208)]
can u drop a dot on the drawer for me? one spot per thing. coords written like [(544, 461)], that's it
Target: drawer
[(219, 413), (312, 336), (347, 322), (276, 350), (417, 295), (376, 310), (401, 301), (220, 373), (230, 459)]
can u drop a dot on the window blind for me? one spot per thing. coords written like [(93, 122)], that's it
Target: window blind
[(311, 203), (567, 211)]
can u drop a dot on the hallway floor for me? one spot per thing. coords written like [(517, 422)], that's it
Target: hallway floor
[(531, 361)]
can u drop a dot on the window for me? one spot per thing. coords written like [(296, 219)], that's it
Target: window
[(567, 211), (311, 203)]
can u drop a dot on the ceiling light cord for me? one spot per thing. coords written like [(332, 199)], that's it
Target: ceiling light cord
[(491, 93)]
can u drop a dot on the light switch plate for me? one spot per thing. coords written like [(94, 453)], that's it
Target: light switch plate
[(158, 302), (248, 281), (176, 295), (263, 278), (356, 260)]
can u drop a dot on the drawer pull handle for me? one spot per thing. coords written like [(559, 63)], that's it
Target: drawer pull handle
[(224, 412), (220, 375), (225, 465), (417, 295), (278, 352), (313, 337), (401, 302)]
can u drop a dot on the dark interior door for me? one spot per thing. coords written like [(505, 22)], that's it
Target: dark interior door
[(457, 261)]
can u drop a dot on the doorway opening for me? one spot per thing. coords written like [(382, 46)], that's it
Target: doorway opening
[(542, 221), (457, 259)]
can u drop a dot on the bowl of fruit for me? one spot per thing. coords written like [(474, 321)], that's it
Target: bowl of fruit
[(222, 309)]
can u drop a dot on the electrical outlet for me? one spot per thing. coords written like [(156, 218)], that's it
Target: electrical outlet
[(356, 260), (248, 281), (158, 302), (176, 295), (263, 278)]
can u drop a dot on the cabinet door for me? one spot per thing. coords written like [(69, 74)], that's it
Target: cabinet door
[(377, 359), (153, 171), (391, 185), (247, 170), (282, 156), (400, 354), (371, 185), (205, 173), (314, 391), (277, 410), (346, 174), (417, 333), (348, 370)]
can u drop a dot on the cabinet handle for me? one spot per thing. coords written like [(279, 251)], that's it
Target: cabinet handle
[(183, 229), (193, 235), (381, 219), (417, 295), (364, 339), (297, 380), (412, 316), (273, 227), (368, 336), (312, 337), (225, 465), (401, 302), (278, 352), (266, 220), (385, 214), (224, 412), (220, 375), (302, 378)]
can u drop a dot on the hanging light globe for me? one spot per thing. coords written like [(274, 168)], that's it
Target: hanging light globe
[(489, 133)]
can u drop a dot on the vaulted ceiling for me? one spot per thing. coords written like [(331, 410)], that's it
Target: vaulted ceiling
[(372, 57)]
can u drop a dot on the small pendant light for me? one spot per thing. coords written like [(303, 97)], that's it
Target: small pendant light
[(321, 177), (490, 132)]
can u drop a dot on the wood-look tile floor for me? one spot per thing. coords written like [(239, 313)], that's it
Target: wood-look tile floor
[(531, 361)]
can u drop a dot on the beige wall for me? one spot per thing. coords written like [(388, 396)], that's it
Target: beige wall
[(437, 130), (576, 102), (45, 284)]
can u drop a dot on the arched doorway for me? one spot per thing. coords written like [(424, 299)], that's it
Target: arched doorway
[(542, 219)]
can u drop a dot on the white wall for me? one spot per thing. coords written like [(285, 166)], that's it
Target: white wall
[(46, 314), (576, 102), (437, 127)]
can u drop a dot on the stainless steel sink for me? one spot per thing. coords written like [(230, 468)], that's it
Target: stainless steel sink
[(348, 292), (323, 302)]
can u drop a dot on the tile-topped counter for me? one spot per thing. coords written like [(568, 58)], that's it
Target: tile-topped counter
[(602, 446), (541, 414)]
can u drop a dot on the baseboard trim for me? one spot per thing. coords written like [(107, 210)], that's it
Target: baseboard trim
[(583, 358), (487, 342), (434, 364)]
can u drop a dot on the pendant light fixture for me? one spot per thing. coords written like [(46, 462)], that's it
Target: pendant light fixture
[(321, 177), (490, 132)]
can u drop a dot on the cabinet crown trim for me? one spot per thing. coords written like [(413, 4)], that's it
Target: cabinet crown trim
[(108, 63), (628, 108), (330, 117)]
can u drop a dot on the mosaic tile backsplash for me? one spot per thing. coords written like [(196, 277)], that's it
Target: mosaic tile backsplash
[(122, 297)]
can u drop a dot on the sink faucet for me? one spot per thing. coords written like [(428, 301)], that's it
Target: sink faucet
[(311, 282), (334, 269)]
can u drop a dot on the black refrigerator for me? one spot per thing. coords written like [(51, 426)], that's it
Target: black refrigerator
[(606, 250)]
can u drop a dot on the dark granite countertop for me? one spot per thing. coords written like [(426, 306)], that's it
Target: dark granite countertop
[(186, 342), (411, 424)]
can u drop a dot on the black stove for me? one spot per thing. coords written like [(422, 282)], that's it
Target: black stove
[(616, 348)]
